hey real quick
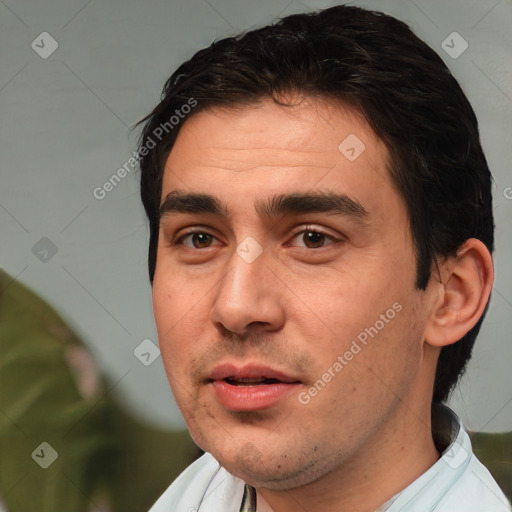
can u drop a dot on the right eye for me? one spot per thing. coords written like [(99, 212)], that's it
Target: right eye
[(198, 240)]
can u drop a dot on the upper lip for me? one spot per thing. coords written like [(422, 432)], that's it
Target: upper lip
[(250, 371)]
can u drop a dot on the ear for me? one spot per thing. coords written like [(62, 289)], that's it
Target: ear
[(465, 287)]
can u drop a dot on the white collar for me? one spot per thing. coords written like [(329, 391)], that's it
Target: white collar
[(425, 492), (452, 439)]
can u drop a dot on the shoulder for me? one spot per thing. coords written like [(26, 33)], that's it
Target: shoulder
[(476, 490), (457, 482), (472, 488), (204, 486)]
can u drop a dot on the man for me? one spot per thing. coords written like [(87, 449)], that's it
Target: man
[(320, 237)]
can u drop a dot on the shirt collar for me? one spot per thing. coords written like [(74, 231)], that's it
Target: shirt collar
[(450, 438)]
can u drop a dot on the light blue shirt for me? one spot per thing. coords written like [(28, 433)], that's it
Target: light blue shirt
[(457, 482)]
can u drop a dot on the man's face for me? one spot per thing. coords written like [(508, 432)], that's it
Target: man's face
[(284, 295)]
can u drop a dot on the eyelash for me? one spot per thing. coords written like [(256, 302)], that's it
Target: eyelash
[(307, 229)]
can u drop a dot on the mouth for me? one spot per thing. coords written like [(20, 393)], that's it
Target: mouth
[(250, 387), (252, 381)]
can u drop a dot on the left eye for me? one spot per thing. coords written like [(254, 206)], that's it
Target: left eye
[(313, 238)]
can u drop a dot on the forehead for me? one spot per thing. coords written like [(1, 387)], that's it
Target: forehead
[(264, 148), (305, 132)]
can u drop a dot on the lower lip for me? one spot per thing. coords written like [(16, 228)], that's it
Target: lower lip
[(251, 398)]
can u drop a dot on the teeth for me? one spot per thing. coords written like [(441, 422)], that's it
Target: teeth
[(248, 380)]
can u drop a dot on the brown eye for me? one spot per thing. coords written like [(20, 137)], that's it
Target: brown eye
[(313, 238), (199, 240)]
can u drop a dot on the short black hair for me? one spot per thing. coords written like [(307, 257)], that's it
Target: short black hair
[(374, 63)]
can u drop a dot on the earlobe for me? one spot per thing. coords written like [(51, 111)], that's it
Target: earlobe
[(465, 287)]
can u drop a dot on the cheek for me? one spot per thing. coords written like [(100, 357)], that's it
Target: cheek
[(370, 327), (346, 307), (181, 313), (394, 348), (176, 298), (170, 313)]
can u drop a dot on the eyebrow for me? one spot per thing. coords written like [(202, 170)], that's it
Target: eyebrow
[(282, 204)]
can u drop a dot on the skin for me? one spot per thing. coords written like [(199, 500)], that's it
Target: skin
[(296, 308)]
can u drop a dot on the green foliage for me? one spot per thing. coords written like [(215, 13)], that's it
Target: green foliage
[(495, 453), (105, 457)]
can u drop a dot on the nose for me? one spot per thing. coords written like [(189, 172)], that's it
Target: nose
[(248, 297)]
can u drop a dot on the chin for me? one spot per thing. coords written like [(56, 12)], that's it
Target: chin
[(269, 470)]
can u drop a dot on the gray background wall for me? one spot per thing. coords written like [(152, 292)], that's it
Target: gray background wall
[(64, 131)]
